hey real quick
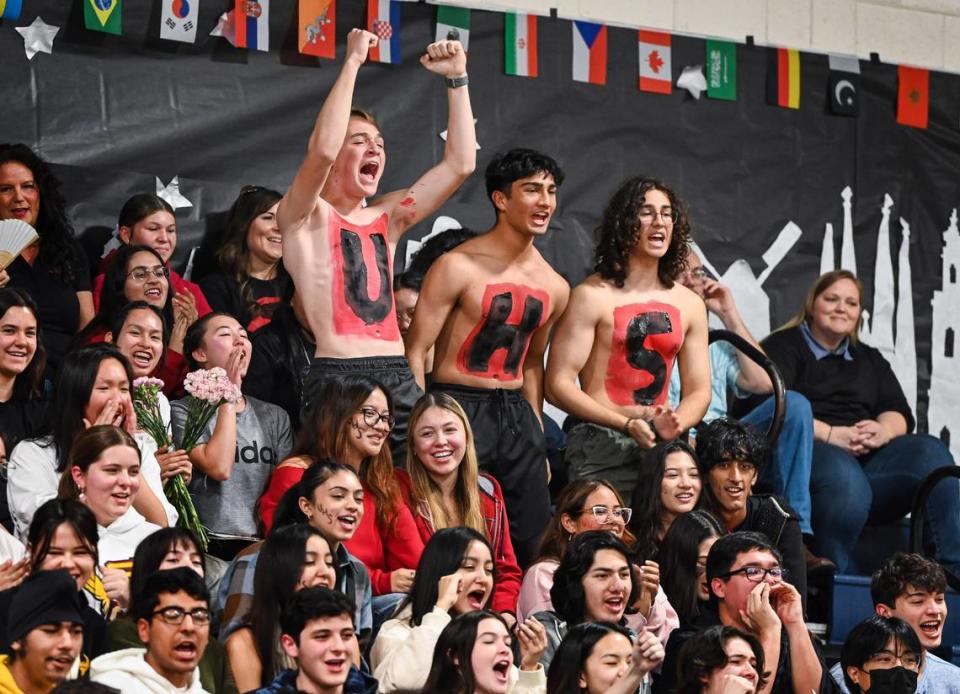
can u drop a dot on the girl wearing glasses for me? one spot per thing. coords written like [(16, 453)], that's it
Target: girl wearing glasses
[(582, 506), (242, 442), (148, 220), (138, 273), (251, 280), (351, 423), (443, 488), (93, 388), (171, 548), (593, 583)]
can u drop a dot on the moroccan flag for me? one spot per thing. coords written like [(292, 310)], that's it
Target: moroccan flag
[(520, 44), (102, 15), (721, 70), (655, 74), (178, 20), (317, 28), (11, 9), (589, 52), (252, 24), (383, 19), (783, 77), (453, 22), (913, 96), (843, 83)]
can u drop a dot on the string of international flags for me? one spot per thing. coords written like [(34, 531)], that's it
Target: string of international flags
[(246, 25)]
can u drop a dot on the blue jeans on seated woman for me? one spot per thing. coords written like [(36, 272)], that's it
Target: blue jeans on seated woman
[(848, 492)]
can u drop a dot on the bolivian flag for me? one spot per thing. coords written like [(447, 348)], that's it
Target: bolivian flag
[(783, 77)]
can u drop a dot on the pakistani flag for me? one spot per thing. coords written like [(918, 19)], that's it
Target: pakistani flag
[(721, 70), (453, 23), (844, 84)]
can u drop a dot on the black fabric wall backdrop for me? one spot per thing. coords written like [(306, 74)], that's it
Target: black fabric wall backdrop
[(113, 113)]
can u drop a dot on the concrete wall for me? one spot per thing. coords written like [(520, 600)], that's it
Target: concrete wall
[(925, 33)]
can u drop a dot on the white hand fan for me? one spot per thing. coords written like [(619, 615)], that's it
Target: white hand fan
[(15, 235)]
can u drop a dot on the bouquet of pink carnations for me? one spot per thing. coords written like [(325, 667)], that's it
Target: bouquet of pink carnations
[(208, 389), (146, 404)]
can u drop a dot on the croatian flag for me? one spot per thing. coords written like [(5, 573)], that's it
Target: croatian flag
[(383, 19), (590, 52), (252, 24)]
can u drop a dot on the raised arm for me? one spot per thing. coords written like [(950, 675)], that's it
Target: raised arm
[(438, 296), (407, 207), (327, 136)]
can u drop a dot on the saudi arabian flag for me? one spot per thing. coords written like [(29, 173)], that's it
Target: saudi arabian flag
[(453, 22), (102, 15), (520, 44), (721, 70)]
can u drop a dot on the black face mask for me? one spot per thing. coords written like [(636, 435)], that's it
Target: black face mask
[(895, 680)]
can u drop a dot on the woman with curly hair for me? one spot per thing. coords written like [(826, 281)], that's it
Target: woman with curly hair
[(54, 270), (623, 329), (252, 281)]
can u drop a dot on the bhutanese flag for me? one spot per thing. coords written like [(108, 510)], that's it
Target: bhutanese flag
[(655, 67), (783, 77), (520, 44), (317, 20), (453, 22), (589, 52), (11, 9), (102, 15), (913, 96), (252, 24), (383, 19)]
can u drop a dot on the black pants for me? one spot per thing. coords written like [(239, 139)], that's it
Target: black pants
[(511, 447), (393, 372)]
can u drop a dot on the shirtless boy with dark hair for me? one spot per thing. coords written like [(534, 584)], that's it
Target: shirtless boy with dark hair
[(487, 307), (338, 252), (625, 326)]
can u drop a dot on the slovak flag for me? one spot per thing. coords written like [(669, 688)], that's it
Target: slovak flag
[(252, 24), (383, 19), (655, 68), (589, 52)]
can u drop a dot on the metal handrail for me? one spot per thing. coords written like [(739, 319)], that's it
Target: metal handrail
[(779, 389)]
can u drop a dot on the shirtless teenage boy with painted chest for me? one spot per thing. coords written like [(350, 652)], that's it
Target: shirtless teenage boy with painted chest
[(487, 307), (623, 329), (338, 252)]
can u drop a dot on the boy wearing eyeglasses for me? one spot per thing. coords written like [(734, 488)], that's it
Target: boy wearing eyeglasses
[(730, 455), (748, 591), (173, 622), (626, 325)]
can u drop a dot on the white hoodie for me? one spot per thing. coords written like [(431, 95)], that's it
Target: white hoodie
[(128, 671), (119, 540)]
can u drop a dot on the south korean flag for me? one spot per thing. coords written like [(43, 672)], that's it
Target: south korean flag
[(178, 21)]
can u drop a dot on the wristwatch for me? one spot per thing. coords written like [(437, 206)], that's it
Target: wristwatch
[(454, 82)]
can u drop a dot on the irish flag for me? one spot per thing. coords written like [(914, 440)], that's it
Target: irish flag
[(520, 44), (590, 52), (383, 19)]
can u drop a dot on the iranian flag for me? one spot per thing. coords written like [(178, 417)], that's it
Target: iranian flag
[(520, 44), (453, 22)]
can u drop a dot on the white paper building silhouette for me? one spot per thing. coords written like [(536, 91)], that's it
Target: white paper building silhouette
[(945, 368)]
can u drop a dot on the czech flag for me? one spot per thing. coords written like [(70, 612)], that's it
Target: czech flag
[(590, 52), (252, 24), (383, 19)]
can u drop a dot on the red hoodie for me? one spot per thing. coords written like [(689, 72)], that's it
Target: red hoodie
[(508, 573)]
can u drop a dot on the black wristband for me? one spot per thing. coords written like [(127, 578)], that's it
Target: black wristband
[(454, 82)]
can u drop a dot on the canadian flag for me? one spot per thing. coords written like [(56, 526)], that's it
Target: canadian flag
[(655, 68)]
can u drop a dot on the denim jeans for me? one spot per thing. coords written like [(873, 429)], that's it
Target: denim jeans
[(788, 475), (848, 492)]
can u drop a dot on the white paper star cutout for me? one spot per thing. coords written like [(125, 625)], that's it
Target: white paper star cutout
[(225, 28), (443, 135), (38, 37), (692, 80), (171, 193)]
